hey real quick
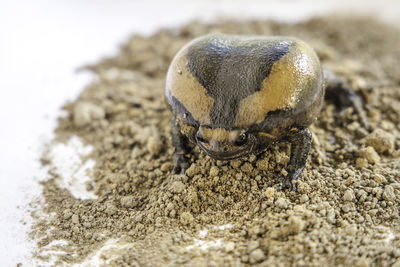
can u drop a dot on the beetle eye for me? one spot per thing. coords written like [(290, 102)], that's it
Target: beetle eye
[(242, 139), (200, 138)]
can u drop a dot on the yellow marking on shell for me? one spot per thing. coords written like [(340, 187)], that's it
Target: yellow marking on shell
[(284, 87), (219, 134), (184, 87), (273, 134), (268, 135)]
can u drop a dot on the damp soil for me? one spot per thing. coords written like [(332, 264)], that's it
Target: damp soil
[(345, 211)]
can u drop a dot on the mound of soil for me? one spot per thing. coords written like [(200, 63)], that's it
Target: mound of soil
[(346, 208)]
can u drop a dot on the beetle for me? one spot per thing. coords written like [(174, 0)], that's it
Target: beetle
[(234, 95)]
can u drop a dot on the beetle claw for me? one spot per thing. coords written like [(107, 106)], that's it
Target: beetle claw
[(181, 163), (287, 183)]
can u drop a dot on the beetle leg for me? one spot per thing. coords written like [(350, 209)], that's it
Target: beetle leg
[(300, 142), (344, 96), (180, 143)]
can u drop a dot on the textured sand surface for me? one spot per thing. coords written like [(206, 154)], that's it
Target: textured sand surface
[(345, 211)]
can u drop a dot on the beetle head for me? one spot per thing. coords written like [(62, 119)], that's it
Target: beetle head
[(224, 144)]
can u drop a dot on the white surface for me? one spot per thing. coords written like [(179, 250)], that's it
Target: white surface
[(72, 172), (106, 253), (42, 44)]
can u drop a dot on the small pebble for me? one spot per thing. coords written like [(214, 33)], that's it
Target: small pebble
[(380, 179), (281, 203), (186, 218), (246, 167), (296, 224), (75, 218), (165, 167), (252, 245), (270, 192), (214, 171), (111, 209), (256, 256), (235, 163), (128, 201), (193, 170), (388, 193), (361, 163), (177, 187), (381, 141), (230, 246), (304, 198), (370, 155), (67, 214), (348, 195)]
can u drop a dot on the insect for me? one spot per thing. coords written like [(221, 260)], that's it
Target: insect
[(235, 95)]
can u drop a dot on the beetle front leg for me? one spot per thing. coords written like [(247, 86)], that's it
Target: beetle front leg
[(180, 143), (300, 142)]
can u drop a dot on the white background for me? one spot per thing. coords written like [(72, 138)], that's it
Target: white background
[(43, 42)]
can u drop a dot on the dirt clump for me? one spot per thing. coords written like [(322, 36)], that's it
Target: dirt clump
[(230, 213)]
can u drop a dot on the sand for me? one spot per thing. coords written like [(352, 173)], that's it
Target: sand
[(345, 211)]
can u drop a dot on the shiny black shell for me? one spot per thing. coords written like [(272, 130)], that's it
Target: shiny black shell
[(245, 82)]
